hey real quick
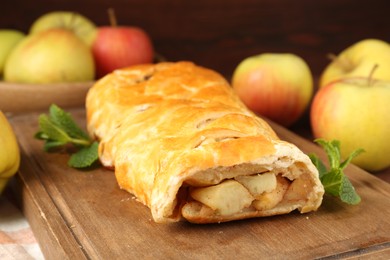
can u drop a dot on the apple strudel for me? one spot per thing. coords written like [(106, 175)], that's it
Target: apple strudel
[(183, 143)]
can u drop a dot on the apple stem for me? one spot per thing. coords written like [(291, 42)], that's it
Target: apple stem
[(343, 62), (370, 76), (158, 57), (112, 17), (332, 56)]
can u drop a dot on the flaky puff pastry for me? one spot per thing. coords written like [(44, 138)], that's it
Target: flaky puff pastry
[(183, 143)]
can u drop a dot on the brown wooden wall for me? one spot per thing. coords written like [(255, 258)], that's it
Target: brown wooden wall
[(220, 33)]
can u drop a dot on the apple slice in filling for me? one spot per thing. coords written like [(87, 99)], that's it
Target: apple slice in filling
[(269, 200), (258, 184), (261, 191), (226, 198), (299, 189)]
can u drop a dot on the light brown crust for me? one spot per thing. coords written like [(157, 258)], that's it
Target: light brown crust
[(167, 126)]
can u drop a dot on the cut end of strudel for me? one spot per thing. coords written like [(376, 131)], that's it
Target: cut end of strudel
[(183, 143)]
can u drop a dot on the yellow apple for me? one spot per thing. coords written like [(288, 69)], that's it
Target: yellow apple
[(51, 56), (358, 60), (275, 85), (79, 24), (8, 40), (355, 111)]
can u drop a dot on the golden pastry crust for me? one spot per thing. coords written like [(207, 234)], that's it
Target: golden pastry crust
[(172, 127)]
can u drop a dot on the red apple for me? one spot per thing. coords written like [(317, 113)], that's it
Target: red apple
[(120, 46), (275, 85)]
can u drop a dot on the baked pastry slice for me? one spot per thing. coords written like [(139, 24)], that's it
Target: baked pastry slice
[(182, 142)]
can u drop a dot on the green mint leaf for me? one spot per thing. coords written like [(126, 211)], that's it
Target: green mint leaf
[(318, 164), (52, 131), (59, 129), (41, 136), (335, 144), (66, 122), (335, 182), (332, 150), (348, 193), (85, 157), (332, 182), (50, 144), (350, 157)]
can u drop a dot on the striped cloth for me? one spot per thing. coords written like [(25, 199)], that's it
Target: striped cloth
[(17, 240)]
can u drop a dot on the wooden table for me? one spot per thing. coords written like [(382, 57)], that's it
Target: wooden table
[(83, 214)]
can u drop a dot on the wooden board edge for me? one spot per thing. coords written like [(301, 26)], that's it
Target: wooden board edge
[(377, 252)]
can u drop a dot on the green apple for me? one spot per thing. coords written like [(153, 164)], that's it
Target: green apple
[(358, 60), (355, 111), (8, 40), (275, 85), (51, 56), (81, 25)]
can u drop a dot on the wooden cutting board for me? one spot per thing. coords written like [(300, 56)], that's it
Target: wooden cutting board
[(84, 215)]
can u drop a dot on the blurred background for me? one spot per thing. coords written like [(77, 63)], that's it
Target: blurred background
[(220, 33)]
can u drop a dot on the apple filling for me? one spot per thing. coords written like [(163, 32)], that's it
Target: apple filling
[(258, 192)]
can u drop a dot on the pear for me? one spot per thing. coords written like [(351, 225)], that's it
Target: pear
[(52, 56), (9, 38)]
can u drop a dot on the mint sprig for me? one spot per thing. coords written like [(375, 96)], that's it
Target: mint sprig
[(59, 129), (85, 157), (335, 182)]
